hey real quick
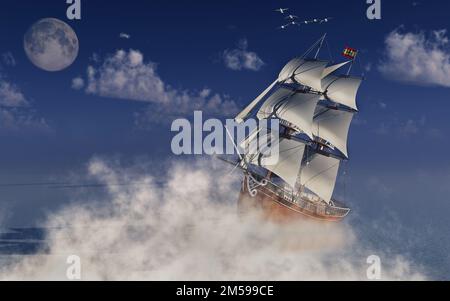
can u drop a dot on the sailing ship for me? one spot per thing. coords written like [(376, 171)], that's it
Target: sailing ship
[(315, 105)]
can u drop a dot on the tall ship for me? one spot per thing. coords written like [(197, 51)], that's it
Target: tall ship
[(315, 104)]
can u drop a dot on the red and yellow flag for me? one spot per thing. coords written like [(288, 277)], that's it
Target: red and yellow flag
[(350, 53)]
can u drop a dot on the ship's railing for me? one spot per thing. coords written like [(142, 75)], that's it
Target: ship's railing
[(307, 202)]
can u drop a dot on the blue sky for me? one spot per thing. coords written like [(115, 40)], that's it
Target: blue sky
[(398, 146)]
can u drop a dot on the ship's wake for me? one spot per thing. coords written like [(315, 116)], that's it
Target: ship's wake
[(188, 229)]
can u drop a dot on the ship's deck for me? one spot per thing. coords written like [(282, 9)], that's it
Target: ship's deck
[(303, 202)]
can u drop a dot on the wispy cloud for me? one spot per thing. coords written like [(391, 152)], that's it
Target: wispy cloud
[(125, 75), (16, 112), (418, 58), (78, 83), (408, 128), (242, 59), (8, 59), (125, 36), (11, 96)]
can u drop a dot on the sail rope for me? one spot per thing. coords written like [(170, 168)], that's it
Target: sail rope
[(329, 51), (314, 46)]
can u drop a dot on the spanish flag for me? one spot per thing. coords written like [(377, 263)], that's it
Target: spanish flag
[(350, 53)]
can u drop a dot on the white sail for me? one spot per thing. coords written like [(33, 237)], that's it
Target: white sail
[(268, 108), (333, 126), (288, 71), (305, 72), (244, 114), (286, 164), (333, 68), (310, 74), (297, 109), (342, 89), (319, 175)]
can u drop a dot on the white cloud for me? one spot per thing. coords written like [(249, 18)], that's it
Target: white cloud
[(17, 120), (125, 36), (240, 58), (417, 58), (180, 230), (15, 110), (78, 83), (126, 75), (11, 96)]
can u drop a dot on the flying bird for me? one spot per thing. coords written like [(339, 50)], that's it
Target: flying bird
[(282, 10), (291, 17), (319, 21), (326, 20), (284, 26)]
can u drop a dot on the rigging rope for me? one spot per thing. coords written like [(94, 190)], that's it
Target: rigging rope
[(329, 51)]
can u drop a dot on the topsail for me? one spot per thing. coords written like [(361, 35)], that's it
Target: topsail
[(293, 109), (341, 89), (305, 72)]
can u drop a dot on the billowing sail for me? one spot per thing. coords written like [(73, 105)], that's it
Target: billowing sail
[(342, 89), (319, 175), (297, 109), (268, 109), (288, 71), (333, 126), (305, 72), (285, 160), (244, 114)]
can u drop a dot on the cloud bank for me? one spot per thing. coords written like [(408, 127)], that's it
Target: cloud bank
[(242, 59), (417, 58), (188, 229), (125, 75)]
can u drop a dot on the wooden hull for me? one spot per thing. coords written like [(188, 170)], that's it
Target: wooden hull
[(275, 208)]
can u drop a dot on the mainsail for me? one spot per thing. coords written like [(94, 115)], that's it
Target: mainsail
[(283, 157), (305, 72), (319, 175), (333, 127), (308, 98), (341, 89)]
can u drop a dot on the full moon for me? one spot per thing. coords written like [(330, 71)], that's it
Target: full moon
[(51, 45)]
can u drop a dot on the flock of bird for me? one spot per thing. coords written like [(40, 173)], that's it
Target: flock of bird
[(293, 19)]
